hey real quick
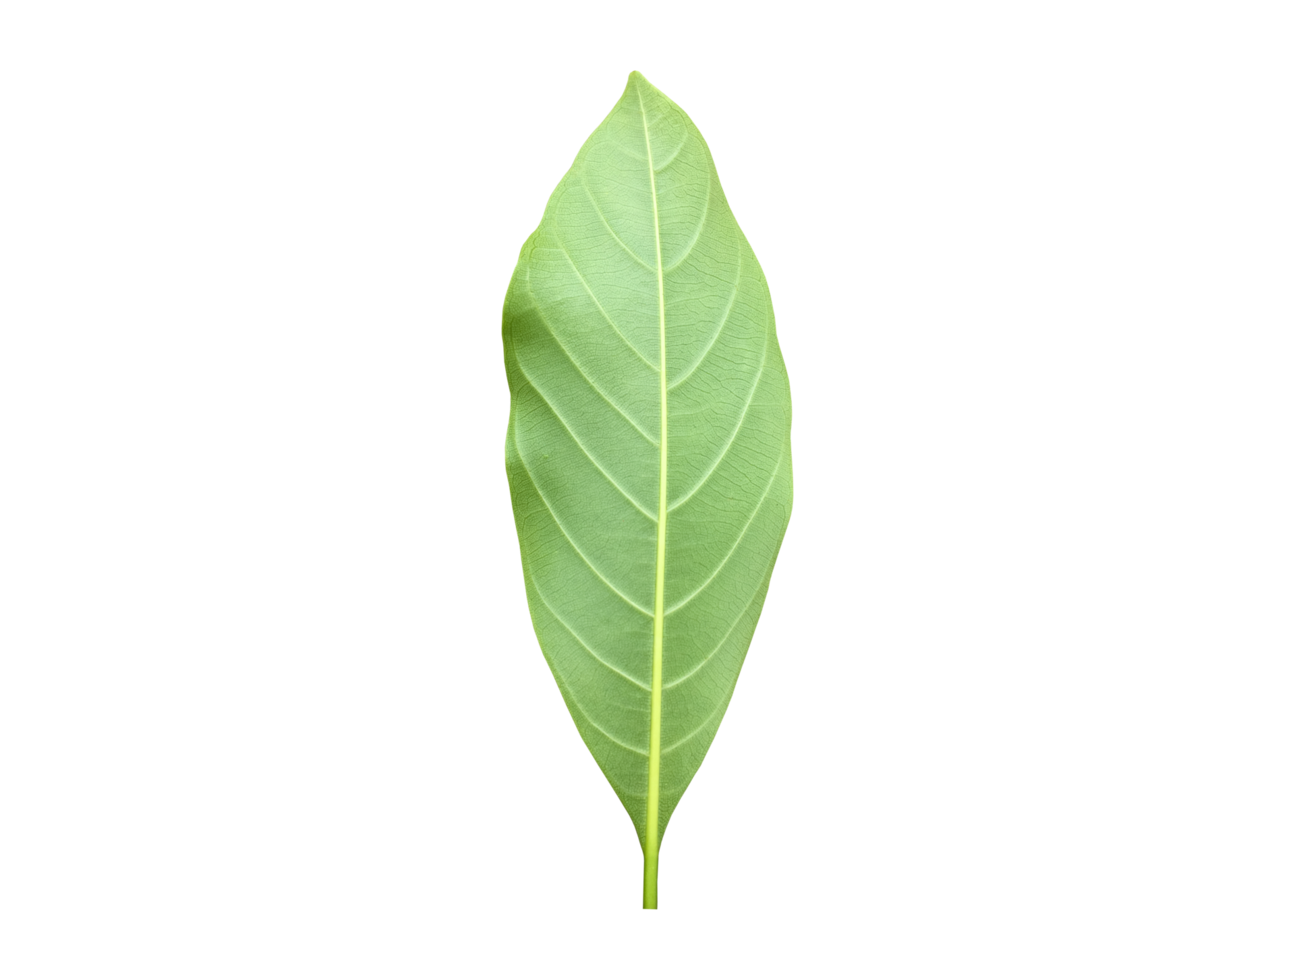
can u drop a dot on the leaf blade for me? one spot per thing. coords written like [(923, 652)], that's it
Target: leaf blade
[(645, 375)]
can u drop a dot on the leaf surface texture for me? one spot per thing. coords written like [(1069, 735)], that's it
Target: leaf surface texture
[(648, 446)]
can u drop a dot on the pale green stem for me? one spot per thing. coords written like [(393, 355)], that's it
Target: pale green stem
[(649, 875)]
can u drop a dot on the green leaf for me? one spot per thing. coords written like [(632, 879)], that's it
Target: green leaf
[(648, 449)]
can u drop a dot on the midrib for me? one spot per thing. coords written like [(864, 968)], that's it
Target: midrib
[(652, 842)]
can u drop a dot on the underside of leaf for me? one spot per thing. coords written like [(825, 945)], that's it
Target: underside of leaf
[(648, 447)]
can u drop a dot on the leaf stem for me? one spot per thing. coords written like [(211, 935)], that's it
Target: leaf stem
[(649, 874)]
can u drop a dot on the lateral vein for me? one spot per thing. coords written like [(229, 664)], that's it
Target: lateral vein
[(567, 534)]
